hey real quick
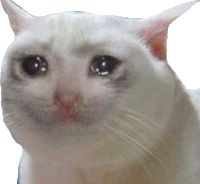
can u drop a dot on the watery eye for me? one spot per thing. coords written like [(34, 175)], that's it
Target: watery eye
[(32, 65), (103, 65)]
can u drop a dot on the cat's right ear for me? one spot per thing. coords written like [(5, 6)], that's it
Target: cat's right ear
[(154, 29), (19, 18)]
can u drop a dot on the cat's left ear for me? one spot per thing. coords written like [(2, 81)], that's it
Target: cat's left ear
[(154, 29), (19, 18)]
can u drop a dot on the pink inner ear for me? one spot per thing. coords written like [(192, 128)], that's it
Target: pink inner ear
[(16, 24), (156, 35)]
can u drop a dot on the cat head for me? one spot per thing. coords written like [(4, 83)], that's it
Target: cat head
[(68, 72)]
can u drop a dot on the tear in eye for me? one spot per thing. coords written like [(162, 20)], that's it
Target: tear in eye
[(103, 65), (33, 65)]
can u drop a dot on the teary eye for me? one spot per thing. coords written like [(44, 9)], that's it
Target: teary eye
[(34, 64), (103, 65)]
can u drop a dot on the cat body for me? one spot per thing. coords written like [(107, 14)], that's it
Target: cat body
[(92, 99)]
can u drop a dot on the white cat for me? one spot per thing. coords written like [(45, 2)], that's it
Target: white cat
[(92, 99)]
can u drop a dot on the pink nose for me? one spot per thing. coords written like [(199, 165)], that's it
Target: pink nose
[(67, 104)]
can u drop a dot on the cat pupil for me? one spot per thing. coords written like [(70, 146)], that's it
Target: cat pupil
[(103, 65), (32, 65)]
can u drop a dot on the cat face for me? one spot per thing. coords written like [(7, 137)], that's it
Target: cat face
[(69, 74), (67, 62), (71, 71)]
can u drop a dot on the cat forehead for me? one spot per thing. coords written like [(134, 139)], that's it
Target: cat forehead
[(82, 19), (74, 29), (74, 23)]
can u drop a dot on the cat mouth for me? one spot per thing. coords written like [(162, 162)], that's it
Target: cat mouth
[(67, 114), (73, 114), (68, 119), (72, 109)]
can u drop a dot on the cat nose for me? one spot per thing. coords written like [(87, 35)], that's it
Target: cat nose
[(67, 103)]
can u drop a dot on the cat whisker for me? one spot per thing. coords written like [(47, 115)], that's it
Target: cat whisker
[(141, 115), (109, 136), (123, 123), (137, 143), (125, 138), (168, 151), (145, 124), (8, 124), (151, 153), (13, 122), (7, 115), (130, 127)]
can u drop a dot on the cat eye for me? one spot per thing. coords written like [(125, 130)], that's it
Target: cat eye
[(34, 64), (103, 65)]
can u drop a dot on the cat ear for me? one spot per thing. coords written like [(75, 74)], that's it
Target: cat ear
[(154, 29), (19, 18)]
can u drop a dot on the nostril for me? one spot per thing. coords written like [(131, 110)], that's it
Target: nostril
[(66, 103)]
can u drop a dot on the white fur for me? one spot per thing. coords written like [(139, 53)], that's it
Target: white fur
[(145, 133)]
